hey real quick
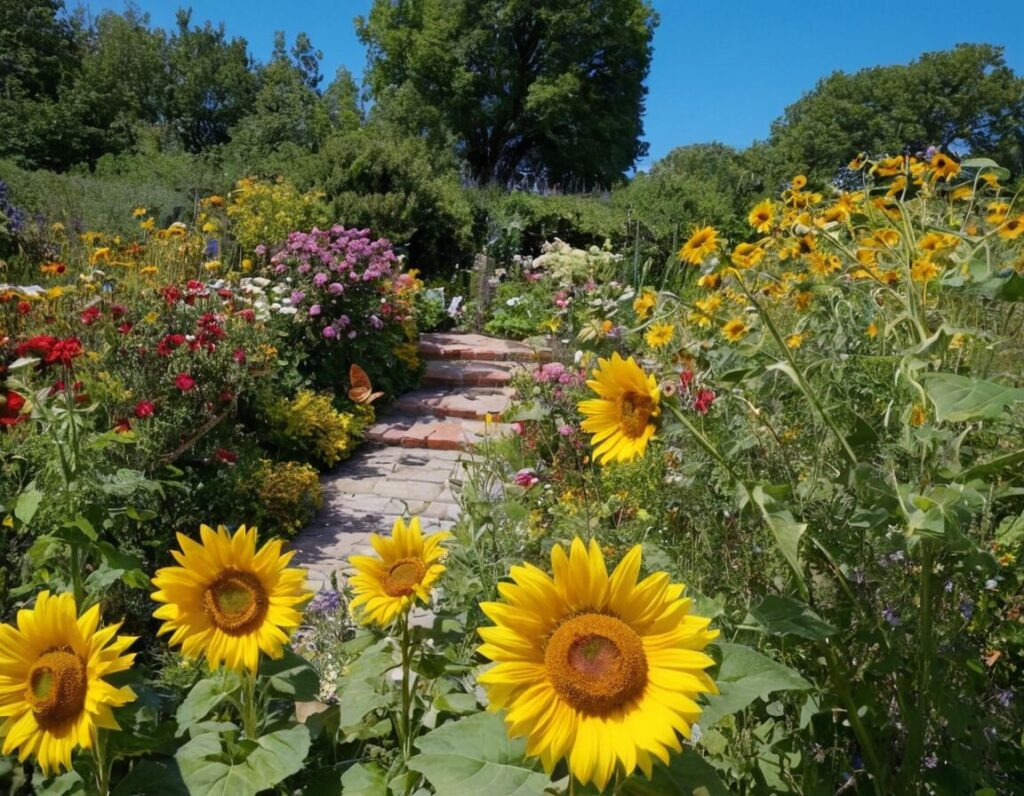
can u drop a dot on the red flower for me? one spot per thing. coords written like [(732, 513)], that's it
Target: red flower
[(247, 314), (145, 409), (169, 343), (64, 351), (226, 396), (171, 294), (702, 403), (10, 408), (224, 293), (184, 382), (123, 426), (90, 315), (125, 328), (240, 356), (39, 345), (226, 456), (117, 310), (685, 378), (24, 307)]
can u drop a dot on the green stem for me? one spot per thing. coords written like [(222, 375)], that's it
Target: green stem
[(911, 766), (703, 441), (840, 680), (77, 586), (104, 764), (250, 710), (405, 723)]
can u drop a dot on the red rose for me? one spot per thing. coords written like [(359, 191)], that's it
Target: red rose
[(145, 409), (184, 382), (226, 456), (39, 345), (64, 351), (11, 405), (90, 315), (703, 401)]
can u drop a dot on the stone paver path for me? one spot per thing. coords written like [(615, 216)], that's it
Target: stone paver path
[(413, 460)]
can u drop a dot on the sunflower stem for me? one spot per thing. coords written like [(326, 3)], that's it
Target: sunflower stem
[(103, 763), (405, 730), (704, 442), (250, 712)]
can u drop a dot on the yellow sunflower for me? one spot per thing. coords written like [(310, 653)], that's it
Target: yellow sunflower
[(944, 167), (404, 570), (762, 217), (660, 335), (735, 330), (1012, 228), (644, 303), (701, 244), (601, 670), (227, 600), (620, 418), (53, 698)]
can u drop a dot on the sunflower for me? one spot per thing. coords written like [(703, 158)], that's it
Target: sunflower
[(996, 212), (799, 182), (620, 418), (735, 330), (405, 568), (227, 600), (944, 167), (53, 698), (762, 217), (701, 244), (1012, 228), (603, 671), (644, 303), (660, 335), (747, 255)]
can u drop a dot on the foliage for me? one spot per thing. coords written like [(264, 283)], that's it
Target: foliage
[(286, 496), (555, 89), (309, 425), (263, 212)]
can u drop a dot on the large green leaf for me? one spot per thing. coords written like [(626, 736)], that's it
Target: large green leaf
[(361, 692), (475, 756), (247, 768), (291, 676), (746, 675), (960, 398), (204, 697), (152, 778), (786, 530), (686, 775), (365, 779), (782, 616)]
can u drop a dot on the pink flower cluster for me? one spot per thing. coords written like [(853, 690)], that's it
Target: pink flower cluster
[(336, 257), (556, 373)]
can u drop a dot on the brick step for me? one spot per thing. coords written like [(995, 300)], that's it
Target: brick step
[(472, 403), (447, 345), (470, 373), (416, 431)]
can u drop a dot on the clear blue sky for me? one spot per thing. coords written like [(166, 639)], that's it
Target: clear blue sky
[(722, 69)]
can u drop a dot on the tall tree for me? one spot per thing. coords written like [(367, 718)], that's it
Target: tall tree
[(549, 86), (212, 83), (965, 98)]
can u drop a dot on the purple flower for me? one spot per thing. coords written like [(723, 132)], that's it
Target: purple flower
[(297, 296), (329, 332), (314, 310), (967, 608), (352, 335), (891, 617), (1005, 697), (565, 430), (327, 601), (261, 250), (931, 761), (320, 279), (335, 289), (376, 322), (526, 478)]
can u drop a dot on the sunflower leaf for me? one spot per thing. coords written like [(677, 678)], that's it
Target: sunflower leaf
[(687, 775), (204, 697), (960, 398), (746, 675), (474, 756)]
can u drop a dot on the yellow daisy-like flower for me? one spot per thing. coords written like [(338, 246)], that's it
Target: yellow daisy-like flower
[(701, 244), (139, 212), (644, 303), (918, 416), (660, 334), (709, 281), (601, 670), (762, 217), (1011, 229), (747, 255), (996, 212), (872, 330), (405, 569), (923, 270), (227, 600), (799, 182), (620, 418), (735, 330), (795, 340), (53, 698), (944, 167)]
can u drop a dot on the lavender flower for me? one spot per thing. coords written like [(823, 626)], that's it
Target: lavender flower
[(326, 601)]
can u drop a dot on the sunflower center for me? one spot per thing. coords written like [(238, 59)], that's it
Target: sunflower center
[(596, 663), (57, 683), (236, 602), (635, 409), (403, 577)]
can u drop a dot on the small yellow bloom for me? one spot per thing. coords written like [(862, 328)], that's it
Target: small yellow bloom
[(644, 303), (937, 242), (923, 270), (701, 244), (246, 264), (889, 167), (660, 335), (747, 255), (802, 300), (799, 182), (963, 192), (148, 225), (55, 292), (991, 180), (858, 162), (139, 212), (997, 212), (944, 167), (1012, 228), (872, 330), (795, 340), (918, 416), (102, 253), (735, 330), (211, 265), (709, 281), (762, 217), (209, 226)]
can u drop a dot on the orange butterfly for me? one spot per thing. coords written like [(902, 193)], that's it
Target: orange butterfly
[(362, 391)]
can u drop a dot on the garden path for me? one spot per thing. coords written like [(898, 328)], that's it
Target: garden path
[(413, 461)]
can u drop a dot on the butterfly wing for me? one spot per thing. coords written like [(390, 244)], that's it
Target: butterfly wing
[(361, 391)]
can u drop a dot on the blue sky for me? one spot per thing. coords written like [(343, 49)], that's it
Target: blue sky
[(722, 71)]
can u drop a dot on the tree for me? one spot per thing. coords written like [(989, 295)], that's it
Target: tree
[(212, 83), (965, 98), (551, 86)]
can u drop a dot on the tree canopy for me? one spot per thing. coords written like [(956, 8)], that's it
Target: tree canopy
[(966, 98), (551, 87)]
